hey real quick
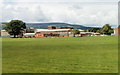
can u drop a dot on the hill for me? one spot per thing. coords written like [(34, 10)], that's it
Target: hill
[(45, 25)]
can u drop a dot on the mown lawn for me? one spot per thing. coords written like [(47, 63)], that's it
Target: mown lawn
[(60, 55)]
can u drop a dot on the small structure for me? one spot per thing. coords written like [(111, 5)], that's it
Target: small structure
[(51, 27), (88, 34), (3, 33), (117, 31), (96, 34), (30, 30), (81, 30), (29, 35)]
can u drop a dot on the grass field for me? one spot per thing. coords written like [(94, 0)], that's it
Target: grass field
[(60, 55)]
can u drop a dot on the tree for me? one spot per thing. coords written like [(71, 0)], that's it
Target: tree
[(106, 29), (15, 27), (75, 31), (94, 30)]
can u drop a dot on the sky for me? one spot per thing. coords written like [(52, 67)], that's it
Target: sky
[(83, 12)]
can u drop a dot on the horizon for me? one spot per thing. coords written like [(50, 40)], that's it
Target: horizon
[(113, 26)]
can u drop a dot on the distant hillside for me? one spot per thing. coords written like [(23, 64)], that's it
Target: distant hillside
[(45, 25)]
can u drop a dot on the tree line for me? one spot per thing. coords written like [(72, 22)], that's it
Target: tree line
[(106, 29)]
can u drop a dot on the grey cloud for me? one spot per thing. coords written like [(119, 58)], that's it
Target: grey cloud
[(24, 13), (70, 13)]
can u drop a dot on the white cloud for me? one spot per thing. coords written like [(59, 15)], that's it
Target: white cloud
[(78, 13), (61, 0)]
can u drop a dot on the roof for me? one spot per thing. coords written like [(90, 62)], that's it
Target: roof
[(3, 30), (48, 32), (86, 32), (89, 33), (80, 30), (96, 33), (38, 30), (31, 34)]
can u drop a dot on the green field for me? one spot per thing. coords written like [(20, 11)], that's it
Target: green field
[(60, 55)]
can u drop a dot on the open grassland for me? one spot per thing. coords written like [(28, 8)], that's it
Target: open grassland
[(60, 55)]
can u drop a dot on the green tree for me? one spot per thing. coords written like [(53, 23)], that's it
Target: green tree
[(75, 31), (94, 30), (106, 29), (15, 27)]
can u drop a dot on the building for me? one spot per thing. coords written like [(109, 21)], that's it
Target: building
[(89, 34), (51, 27), (117, 31), (3, 33), (29, 32), (29, 35), (52, 32), (85, 34)]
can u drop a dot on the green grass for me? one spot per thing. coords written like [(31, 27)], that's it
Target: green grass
[(60, 55)]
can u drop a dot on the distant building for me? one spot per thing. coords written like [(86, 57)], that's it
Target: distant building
[(29, 35), (117, 31), (86, 34), (30, 30), (3, 33), (89, 34), (51, 27), (52, 32)]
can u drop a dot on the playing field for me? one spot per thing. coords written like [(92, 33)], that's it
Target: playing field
[(60, 55)]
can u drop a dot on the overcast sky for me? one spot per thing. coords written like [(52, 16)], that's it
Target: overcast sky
[(85, 12)]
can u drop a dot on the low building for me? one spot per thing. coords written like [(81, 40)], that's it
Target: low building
[(3, 33), (29, 30), (29, 35), (117, 31), (52, 32), (89, 34), (96, 34), (51, 27)]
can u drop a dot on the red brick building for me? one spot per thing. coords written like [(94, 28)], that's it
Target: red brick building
[(52, 32)]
